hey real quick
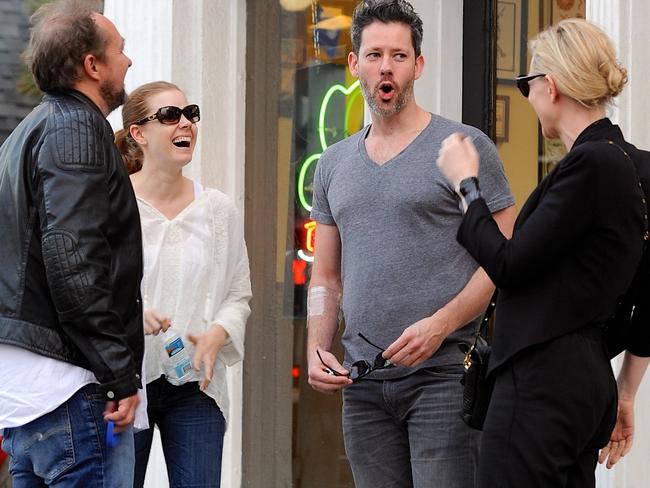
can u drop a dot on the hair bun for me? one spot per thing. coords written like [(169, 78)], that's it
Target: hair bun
[(129, 150), (616, 77)]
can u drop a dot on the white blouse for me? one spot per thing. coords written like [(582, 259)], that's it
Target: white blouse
[(196, 272)]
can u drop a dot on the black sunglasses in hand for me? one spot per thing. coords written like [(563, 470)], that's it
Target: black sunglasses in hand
[(363, 367), (171, 115), (523, 80)]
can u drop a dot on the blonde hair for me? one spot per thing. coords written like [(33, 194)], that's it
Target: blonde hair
[(582, 61), (137, 108)]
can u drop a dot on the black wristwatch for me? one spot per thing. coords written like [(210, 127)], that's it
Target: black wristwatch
[(469, 191)]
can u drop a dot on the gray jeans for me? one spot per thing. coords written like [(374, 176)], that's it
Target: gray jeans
[(408, 432)]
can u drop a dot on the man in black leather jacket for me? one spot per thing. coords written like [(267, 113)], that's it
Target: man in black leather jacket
[(71, 336)]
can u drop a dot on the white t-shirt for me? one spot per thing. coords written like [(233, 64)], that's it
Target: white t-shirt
[(32, 385)]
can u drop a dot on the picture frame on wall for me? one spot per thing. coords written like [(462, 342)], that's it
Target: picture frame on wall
[(551, 152), (552, 11), (512, 36), (501, 117), (566, 9)]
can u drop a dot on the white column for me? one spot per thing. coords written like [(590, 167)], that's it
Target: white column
[(209, 62), (625, 21), (201, 46), (440, 88), (148, 42)]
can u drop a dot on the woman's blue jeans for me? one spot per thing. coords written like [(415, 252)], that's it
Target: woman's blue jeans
[(191, 430)]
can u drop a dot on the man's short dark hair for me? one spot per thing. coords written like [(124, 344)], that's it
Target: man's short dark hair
[(62, 34), (369, 11)]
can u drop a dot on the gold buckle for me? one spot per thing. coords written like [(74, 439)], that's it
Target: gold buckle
[(467, 361)]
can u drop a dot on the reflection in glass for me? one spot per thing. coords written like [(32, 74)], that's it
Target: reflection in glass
[(320, 104)]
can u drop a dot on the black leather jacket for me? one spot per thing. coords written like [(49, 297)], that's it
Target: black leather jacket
[(71, 252)]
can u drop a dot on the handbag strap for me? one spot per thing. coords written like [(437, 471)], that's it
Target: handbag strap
[(482, 328), (646, 234), (481, 331), (632, 294)]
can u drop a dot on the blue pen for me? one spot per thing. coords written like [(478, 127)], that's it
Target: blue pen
[(112, 439)]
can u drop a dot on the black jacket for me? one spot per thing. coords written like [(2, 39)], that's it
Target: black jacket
[(576, 245), (71, 253)]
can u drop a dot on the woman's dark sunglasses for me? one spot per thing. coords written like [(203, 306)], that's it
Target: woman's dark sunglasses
[(171, 115), (363, 367), (522, 82)]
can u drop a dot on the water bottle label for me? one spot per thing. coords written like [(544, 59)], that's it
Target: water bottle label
[(182, 368), (177, 366), (174, 347)]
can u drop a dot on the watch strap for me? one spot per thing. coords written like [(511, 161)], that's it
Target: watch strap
[(469, 190)]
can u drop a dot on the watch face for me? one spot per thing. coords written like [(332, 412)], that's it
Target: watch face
[(468, 185)]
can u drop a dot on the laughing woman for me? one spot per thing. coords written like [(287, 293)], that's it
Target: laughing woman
[(575, 248), (196, 284)]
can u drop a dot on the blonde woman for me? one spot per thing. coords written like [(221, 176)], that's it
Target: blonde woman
[(575, 249), (196, 285)]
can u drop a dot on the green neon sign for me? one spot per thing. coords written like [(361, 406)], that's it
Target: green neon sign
[(350, 90)]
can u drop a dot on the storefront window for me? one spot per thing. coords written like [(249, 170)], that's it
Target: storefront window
[(320, 104), (518, 135)]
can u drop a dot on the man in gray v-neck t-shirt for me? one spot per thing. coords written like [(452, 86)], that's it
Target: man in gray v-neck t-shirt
[(386, 248), (400, 260)]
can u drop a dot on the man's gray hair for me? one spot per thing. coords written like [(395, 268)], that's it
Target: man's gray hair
[(62, 34)]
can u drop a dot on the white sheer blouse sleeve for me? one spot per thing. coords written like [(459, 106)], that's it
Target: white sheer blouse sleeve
[(232, 310)]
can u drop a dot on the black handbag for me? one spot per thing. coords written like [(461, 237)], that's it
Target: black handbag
[(477, 386)]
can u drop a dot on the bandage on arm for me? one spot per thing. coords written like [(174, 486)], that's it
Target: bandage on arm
[(324, 304)]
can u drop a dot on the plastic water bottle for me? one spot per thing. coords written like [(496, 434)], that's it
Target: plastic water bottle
[(176, 361)]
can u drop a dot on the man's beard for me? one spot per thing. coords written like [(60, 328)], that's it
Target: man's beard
[(402, 97), (112, 98)]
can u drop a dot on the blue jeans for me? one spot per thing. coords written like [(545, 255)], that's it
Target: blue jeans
[(66, 448), (191, 430), (407, 432)]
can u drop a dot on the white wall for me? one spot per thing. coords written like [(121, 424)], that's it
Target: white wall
[(440, 88), (626, 23), (200, 46), (149, 48)]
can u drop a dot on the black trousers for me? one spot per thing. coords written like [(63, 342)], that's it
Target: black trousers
[(553, 407)]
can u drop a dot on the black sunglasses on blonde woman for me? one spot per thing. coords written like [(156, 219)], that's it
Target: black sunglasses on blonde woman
[(523, 80), (171, 115)]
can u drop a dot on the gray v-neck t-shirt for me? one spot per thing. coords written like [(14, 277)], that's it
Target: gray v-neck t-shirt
[(400, 261)]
